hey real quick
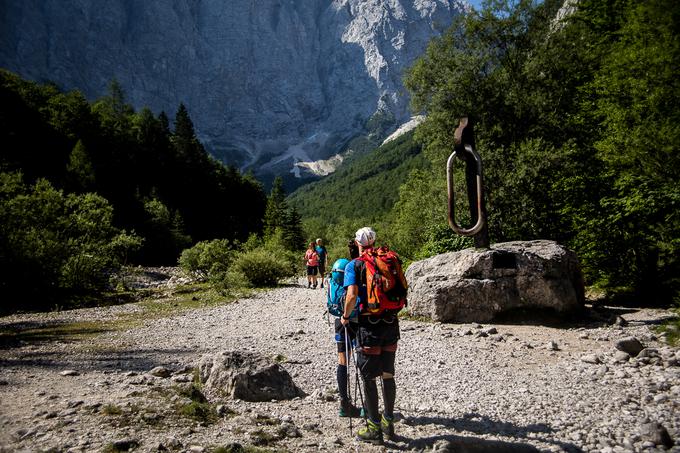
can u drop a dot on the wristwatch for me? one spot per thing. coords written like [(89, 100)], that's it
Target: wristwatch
[(346, 319)]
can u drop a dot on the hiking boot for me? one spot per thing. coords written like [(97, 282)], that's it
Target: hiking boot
[(314, 286), (309, 284), (322, 285), (387, 427), (371, 433), (347, 409)]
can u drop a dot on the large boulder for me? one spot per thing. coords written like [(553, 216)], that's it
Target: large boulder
[(246, 376), (475, 285)]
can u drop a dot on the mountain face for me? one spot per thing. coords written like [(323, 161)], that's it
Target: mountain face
[(268, 83)]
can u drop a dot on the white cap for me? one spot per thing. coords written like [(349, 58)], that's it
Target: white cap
[(365, 236)]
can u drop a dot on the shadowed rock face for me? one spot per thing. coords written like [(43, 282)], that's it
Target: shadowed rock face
[(475, 286), (246, 376), (268, 83)]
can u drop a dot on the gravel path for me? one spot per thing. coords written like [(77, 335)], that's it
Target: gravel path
[(461, 387)]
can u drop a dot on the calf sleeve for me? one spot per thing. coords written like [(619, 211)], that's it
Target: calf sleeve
[(341, 373), (371, 400), (389, 396)]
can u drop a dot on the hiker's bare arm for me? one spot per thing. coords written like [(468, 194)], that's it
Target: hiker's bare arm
[(350, 301)]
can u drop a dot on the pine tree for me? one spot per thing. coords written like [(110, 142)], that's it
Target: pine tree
[(274, 216), (293, 235), (80, 169)]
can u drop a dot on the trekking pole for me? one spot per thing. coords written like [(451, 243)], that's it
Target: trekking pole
[(349, 386), (356, 370)]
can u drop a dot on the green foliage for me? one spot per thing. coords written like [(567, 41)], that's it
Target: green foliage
[(364, 187), (261, 268), (208, 258), (55, 246), (577, 124), (161, 183)]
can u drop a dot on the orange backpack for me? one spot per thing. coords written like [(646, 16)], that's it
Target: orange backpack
[(385, 281)]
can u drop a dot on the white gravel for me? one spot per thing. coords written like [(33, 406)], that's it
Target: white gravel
[(461, 387)]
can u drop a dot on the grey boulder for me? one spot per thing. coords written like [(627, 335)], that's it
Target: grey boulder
[(475, 285), (246, 376)]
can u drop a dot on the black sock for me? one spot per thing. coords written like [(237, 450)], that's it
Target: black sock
[(341, 373), (389, 396), (371, 400)]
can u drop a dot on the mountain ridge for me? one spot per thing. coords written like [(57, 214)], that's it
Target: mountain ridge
[(268, 84)]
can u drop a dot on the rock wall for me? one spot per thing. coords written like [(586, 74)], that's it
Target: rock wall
[(268, 83), (476, 285)]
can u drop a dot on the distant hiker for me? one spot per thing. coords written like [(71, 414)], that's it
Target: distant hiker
[(375, 281), (312, 263), (323, 258)]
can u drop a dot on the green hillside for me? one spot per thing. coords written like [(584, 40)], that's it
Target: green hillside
[(365, 186)]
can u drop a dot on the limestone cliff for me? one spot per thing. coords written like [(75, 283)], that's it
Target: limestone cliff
[(268, 83)]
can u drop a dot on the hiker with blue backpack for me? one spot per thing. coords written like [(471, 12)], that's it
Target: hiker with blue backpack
[(344, 335), (375, 284)]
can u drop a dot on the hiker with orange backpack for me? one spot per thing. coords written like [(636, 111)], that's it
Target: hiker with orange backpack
[(377, 280)]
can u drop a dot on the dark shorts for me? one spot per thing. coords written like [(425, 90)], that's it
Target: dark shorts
[(340, 334), (312, 270), (378, 345), (322, 269)]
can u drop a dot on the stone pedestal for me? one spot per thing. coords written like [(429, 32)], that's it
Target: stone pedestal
[(476, 285)]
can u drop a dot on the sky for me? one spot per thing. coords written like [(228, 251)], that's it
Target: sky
[(475, 3)]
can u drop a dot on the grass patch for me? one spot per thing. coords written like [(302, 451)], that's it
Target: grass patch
[(111, 409), (15, 334), (201, 412), (672, 329), (406, 316), (238, 448), (266, 420), (261, 437)]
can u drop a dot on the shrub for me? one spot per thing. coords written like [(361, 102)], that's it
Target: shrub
[(264, 267), (208, 258), (55, 247)]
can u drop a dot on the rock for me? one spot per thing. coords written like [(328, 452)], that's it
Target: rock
[(629, 345), (246, 376), (590, 358), (620, 356), (657, 434), (552, 346), (70, 373), (125, 444), (161, 372), (473, 285), (648, 352)]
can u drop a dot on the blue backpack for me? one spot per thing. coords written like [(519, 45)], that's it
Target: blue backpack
[(335, 292)]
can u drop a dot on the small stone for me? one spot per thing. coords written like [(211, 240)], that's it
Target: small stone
[(631, 345), (590, 358), (126, 444), (620, 356), (160, 371), (196, 449), (660, 398), (490, 331), (552, 346), (656, 434), (648, 352), (69, 373)]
